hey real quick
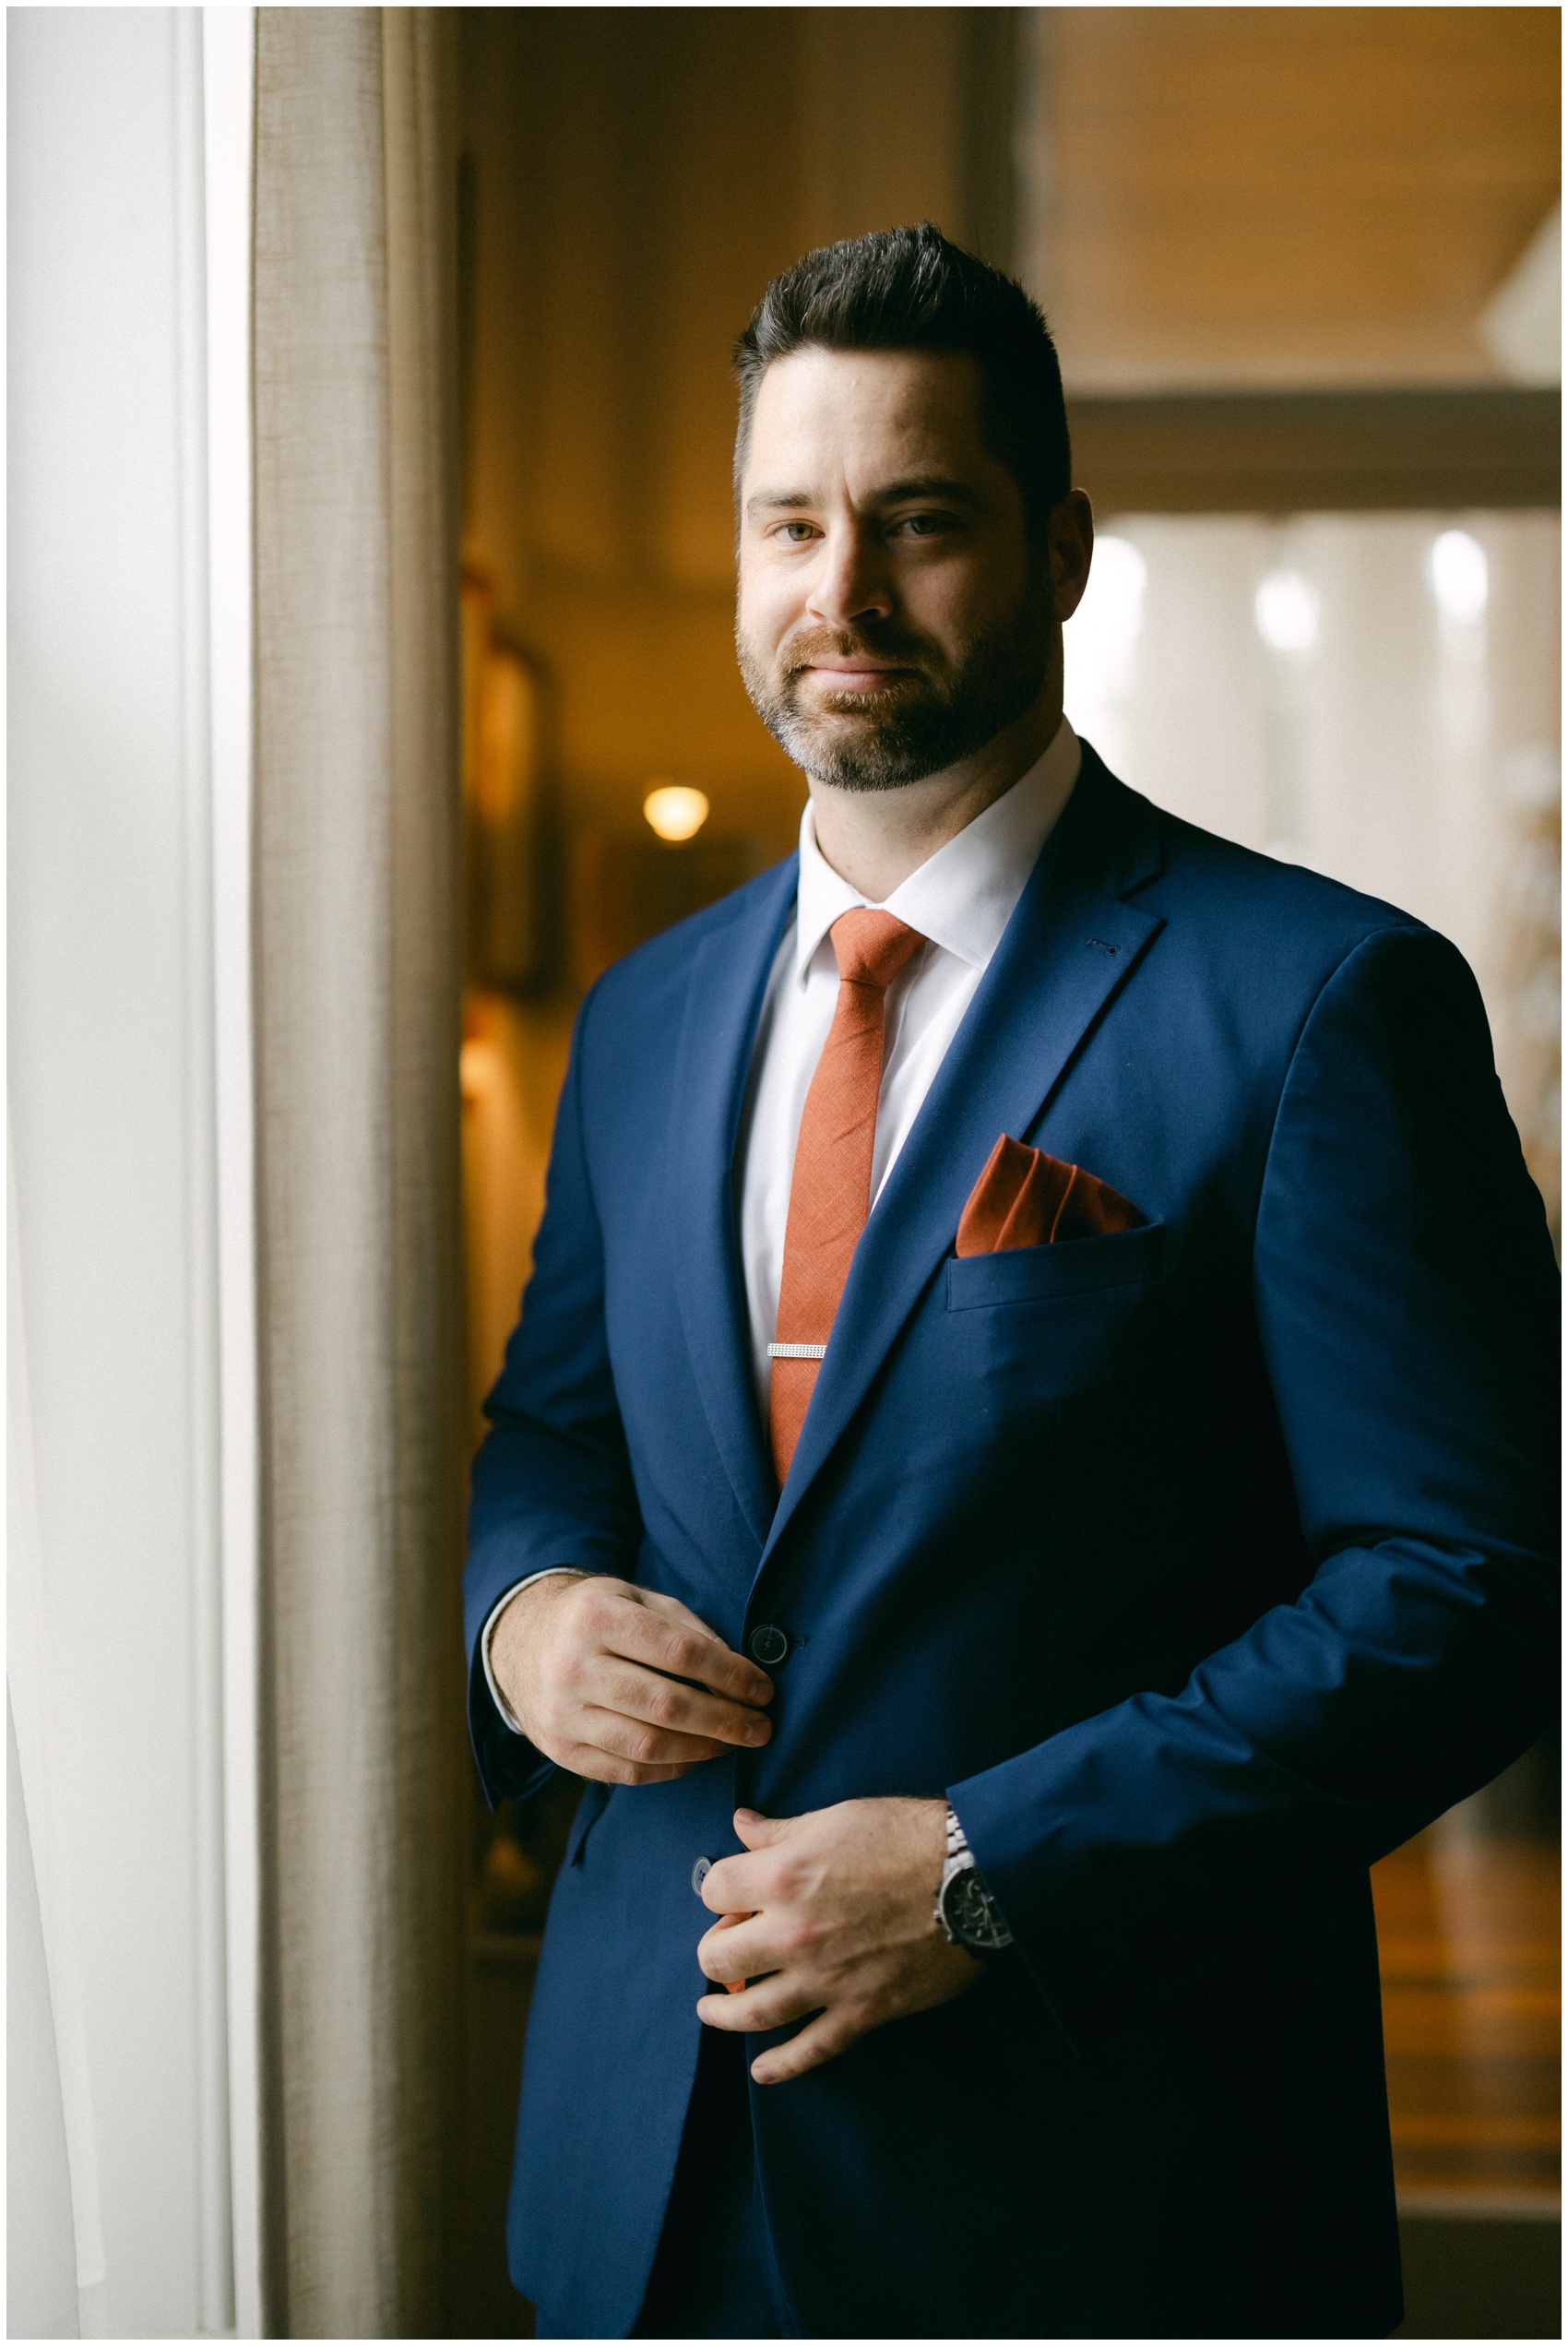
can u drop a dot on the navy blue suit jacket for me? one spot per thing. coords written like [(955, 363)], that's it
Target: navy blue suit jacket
[(1198, 1565)]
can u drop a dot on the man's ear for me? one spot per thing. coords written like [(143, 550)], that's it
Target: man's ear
[(1070, 541)]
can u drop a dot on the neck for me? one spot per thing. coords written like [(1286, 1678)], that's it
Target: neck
[(874, 839)]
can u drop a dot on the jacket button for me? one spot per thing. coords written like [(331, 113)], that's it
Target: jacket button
[(769, 1645), (700, 1873)]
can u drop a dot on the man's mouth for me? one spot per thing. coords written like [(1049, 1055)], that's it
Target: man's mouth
[(850, 677)]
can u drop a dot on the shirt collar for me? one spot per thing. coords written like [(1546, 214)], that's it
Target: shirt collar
[(963, 896)]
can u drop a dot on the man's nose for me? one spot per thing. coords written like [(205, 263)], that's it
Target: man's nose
[(850, 582)]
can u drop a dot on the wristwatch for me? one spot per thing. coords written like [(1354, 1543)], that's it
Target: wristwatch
[(965, 1908)]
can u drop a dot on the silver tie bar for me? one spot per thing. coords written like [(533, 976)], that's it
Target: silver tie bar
[(796, 1351)]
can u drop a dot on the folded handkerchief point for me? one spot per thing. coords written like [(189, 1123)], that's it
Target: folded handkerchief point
[(1026, 1198)]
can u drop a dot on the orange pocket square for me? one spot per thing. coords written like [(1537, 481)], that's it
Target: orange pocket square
[(1026, 1198)]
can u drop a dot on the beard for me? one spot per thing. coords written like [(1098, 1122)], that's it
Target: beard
[(942, 708)]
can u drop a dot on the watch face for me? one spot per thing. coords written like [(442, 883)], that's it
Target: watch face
[(971, 1913)]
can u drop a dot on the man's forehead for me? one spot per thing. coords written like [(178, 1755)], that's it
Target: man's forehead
[(908, 408)]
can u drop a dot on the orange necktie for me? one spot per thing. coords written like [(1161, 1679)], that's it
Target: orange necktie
[(830, 1189)]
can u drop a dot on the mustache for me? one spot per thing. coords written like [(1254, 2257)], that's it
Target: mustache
[(909, 651)]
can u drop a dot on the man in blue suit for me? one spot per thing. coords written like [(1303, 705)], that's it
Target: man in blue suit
[(1000, 1612)]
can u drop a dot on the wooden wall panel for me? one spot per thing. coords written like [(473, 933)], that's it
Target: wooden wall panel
[(1317, 452), (1285, 195)]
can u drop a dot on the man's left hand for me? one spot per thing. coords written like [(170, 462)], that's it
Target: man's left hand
[(830, 1913)]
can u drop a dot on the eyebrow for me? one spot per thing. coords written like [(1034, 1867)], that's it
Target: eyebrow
[(924, 484), (929, 485)]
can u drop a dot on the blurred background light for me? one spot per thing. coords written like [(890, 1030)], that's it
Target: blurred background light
[(1105, 629), (1458, 569), (676, 810), (1286, 612)]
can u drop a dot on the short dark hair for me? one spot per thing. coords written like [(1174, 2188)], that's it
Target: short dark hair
[(908, 289)]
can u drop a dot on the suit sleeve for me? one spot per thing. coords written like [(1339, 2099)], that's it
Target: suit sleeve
[(552, 1483), (1405, 1294)]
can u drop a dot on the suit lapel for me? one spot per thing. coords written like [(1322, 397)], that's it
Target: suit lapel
[(1070, 945), (724, 1002)]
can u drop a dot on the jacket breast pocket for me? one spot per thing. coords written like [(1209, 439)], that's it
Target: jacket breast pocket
[(1075, 1267), (1038, 1327)]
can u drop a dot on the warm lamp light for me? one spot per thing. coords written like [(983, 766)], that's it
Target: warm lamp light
[(676, 810)]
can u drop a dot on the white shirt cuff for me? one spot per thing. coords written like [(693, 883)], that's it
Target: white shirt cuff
[(485, 1635)]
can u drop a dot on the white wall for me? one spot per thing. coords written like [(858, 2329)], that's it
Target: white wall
[(116, 1631)]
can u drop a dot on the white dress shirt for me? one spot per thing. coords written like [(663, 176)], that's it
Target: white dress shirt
[(960, 899)]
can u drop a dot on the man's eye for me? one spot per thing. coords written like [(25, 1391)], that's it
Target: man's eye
[(924, 525), (797, 532)]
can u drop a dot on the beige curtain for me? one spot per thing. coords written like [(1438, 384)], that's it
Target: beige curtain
[(356, 978)]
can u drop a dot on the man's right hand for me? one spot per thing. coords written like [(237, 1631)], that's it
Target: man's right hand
[(590, 1666)]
